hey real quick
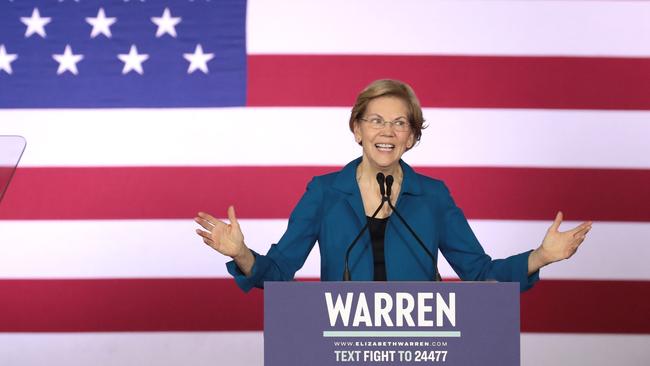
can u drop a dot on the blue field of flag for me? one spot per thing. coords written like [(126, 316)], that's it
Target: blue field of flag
[(115, 54)]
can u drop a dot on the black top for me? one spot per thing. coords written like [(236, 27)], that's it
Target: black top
[(377, 228)]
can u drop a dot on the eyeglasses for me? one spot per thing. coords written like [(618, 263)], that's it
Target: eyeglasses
[(378, 123)]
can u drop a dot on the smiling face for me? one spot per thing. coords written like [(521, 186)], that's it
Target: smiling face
[(383, 148)]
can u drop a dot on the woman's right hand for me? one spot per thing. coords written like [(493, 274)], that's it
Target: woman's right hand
[(226, 239)]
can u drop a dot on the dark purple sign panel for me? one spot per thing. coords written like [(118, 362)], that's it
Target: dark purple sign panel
[(388, 323)]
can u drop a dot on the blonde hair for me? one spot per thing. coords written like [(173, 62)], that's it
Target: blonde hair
[(394, 88)]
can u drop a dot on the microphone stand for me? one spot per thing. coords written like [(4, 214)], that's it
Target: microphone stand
[(346, 270), (389, 184)]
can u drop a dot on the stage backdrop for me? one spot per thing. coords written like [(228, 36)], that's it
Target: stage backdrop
[(138, 114)]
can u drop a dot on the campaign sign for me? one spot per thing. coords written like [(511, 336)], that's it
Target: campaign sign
[(391, 323)]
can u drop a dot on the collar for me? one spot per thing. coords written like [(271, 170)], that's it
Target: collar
[(346, 180)]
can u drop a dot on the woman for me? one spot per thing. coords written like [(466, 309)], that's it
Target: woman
[(386, 121)]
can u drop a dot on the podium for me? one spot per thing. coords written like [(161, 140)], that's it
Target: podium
[(391, 323), (11, 149)]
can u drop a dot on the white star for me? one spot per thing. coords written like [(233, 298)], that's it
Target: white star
[(35, 24), (101, 24), (133, 60), (6, 59), (166, 23), (198, 60), (67, 61)]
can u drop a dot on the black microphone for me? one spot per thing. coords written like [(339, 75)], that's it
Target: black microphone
[(389, 184), (380, 181)]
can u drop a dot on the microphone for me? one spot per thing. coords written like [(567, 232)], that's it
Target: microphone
[(380, 180), (382, 191), (389, 184)]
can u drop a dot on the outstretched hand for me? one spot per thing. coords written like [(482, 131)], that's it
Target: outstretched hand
[(559, 245), (226, 239)]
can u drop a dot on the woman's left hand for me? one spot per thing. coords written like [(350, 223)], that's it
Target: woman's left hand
[(559, 245)]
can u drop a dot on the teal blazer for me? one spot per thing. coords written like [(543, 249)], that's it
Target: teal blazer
[(331, 212)]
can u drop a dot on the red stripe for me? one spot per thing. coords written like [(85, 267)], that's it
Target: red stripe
[(218, 305), (556, 306), (454, 81), (127, 305), (5, 178), (271, 192)]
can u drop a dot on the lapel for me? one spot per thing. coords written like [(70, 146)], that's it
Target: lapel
[(400, 248), (410, 184), (346, 182), (409, 195)]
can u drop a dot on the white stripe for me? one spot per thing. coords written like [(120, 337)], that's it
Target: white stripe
[(132, 349), (273, 136), (612, 28), (584, 349), (246, 348), (170, 248)]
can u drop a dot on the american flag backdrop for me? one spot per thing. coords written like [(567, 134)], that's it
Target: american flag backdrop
[(140, 113)]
